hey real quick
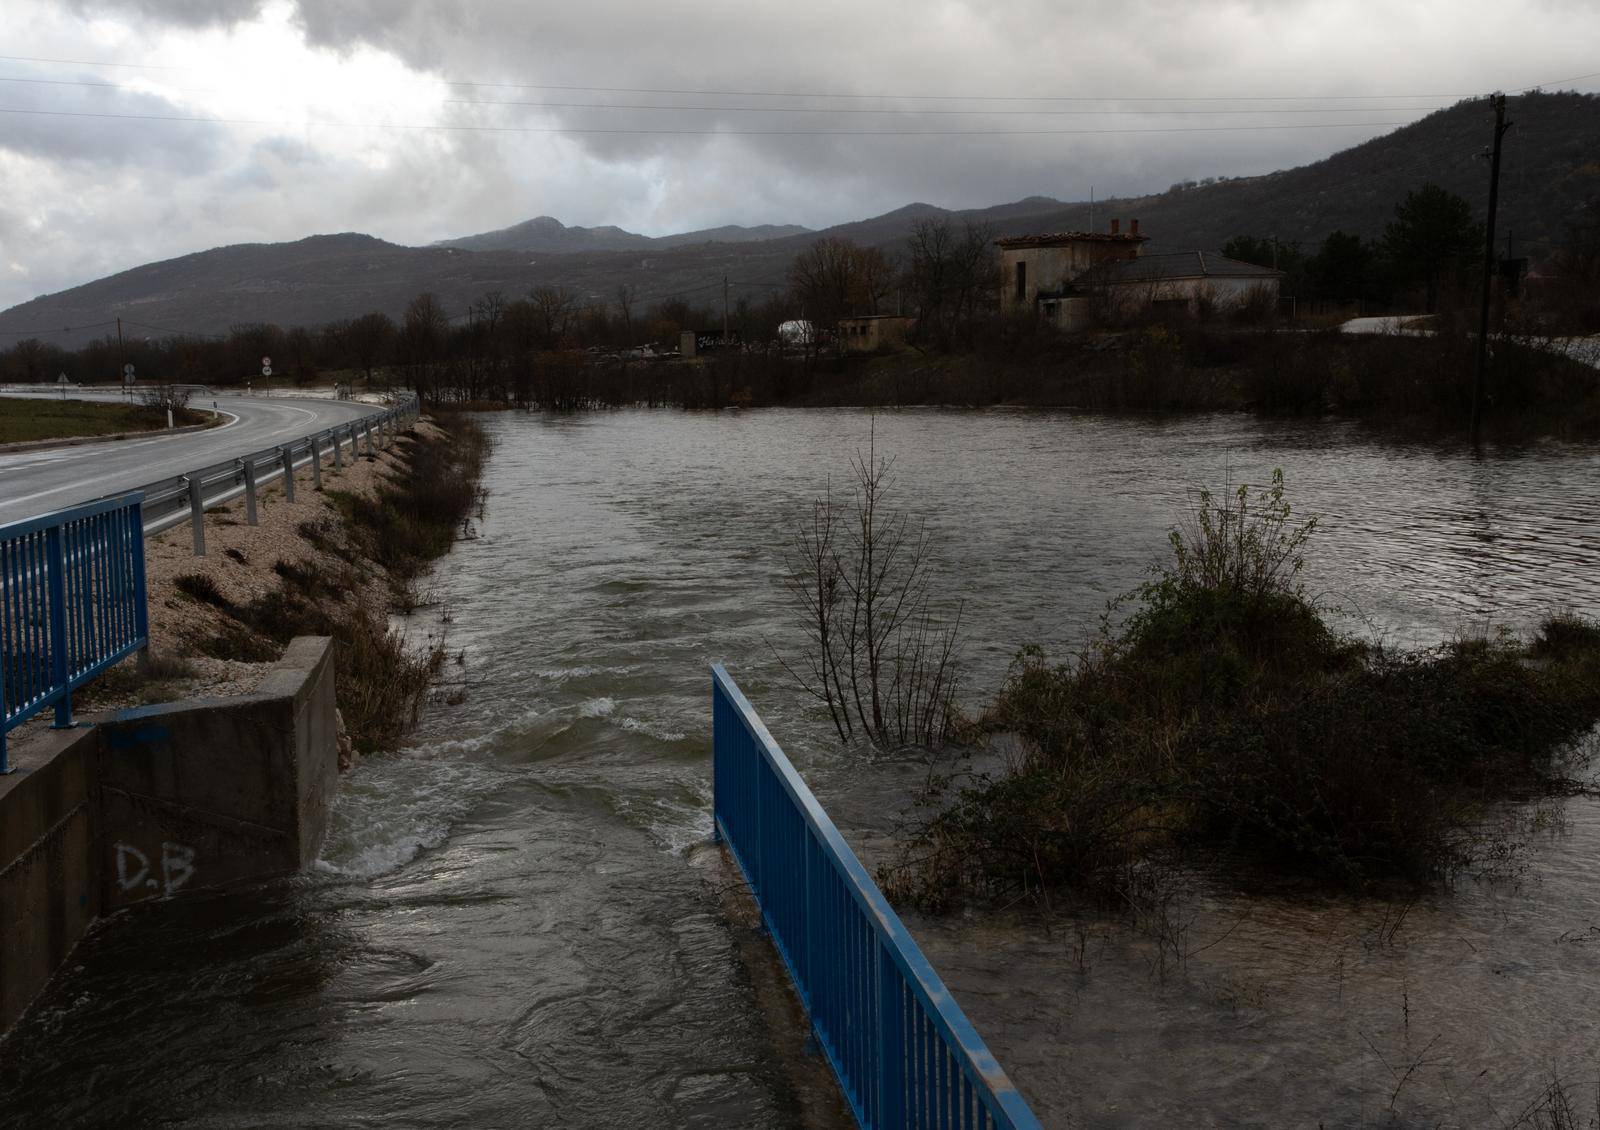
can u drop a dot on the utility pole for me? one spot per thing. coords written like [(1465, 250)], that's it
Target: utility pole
[(724, 309), (1500, 127), (122, 359)]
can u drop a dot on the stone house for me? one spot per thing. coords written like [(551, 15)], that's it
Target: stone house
[(1182, 279), (1064, 277), (1039, 272)]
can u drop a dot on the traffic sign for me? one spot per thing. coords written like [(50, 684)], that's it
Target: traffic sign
[(127, 370), (266, 362), (266, 370), (62, 379)]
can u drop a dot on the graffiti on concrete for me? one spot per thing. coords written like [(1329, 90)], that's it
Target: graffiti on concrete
[(134, 871)]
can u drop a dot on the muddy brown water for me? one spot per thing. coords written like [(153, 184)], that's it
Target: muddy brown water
[(515, 922)]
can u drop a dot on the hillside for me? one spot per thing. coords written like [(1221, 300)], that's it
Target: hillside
[(1552, 166), (548, 234)]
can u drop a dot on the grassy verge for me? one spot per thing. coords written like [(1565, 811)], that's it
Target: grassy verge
[(389, 541), (24, 420), (1225, 721)]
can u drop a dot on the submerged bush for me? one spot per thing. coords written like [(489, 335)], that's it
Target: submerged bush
[(1224, 716)]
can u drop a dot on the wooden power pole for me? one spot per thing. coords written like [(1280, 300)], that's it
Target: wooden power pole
[(1500, 127), (724, 309)]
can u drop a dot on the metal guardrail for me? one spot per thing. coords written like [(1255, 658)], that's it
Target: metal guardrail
[(903, 1052), (187, 497), (72, 603)]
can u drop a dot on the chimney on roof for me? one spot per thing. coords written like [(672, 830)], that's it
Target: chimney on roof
[(1133, 227), (1116, 226)]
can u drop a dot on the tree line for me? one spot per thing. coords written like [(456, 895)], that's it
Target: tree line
[(506, 348), (1430, 255)]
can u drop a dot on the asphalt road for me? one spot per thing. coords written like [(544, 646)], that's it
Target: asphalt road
[(38, 482)]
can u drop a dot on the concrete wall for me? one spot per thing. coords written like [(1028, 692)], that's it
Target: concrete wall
[(142, 804)]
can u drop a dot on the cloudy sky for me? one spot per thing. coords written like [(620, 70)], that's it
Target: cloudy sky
[(133, 130)]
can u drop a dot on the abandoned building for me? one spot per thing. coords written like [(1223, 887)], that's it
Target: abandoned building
[(874, 331), (1065, 276)]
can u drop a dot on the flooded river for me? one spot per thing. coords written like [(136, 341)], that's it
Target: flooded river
[(515, 923)]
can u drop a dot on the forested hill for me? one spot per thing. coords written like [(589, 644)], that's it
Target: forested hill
[(1552, 165)]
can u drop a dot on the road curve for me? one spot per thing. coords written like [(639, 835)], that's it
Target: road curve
[(38, 482)]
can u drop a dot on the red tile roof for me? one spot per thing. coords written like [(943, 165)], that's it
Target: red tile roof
[(1062, 238)]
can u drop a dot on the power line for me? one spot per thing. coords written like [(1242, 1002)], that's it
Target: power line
[(920, 111), (62, 330), (839, 95), (578, 130), (930, 111)]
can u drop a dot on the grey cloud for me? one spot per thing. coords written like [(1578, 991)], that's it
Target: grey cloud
[(176, 13), (59, 123), (220, 185)]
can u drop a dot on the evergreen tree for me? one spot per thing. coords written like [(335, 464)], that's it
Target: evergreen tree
[(1432, 238)]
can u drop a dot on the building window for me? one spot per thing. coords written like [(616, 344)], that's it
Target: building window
[(1022, 280)]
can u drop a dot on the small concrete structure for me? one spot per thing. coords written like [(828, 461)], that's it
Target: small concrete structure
[(874, 331), (142, 804)]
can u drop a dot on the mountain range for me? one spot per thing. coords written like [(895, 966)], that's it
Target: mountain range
[(546, 233), (1551, 168)]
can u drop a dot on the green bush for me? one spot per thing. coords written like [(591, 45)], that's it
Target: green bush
[(1224, 718)]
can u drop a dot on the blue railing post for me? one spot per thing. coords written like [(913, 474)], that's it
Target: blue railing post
[(72, 603), (717, 737), (891, 1045), (141, 606), (905, 1055), (55, 572)]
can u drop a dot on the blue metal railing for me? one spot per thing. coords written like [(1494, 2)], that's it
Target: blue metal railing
[(72, 603), (903, 1052)]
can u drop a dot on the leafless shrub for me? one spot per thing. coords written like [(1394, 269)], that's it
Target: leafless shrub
[(169, 396), (880, 658)]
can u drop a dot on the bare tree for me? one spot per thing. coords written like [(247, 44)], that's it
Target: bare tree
[(626, 295), (952, 276), (367, 340), (879, 657), (553, 308), (422, 339), (835, 278)]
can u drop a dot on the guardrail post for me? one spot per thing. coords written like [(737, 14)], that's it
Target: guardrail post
[(338, 454), (249, 465), (141, 600), (366, 426), (197, 512), (891, 1043), (287, 451), (56, 581), (316, 462)]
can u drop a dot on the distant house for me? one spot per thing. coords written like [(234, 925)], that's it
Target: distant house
[(1181, 279), (1064, 276), (865, 334), (1040, 272)]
